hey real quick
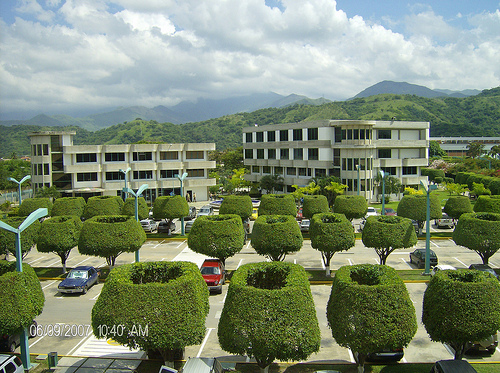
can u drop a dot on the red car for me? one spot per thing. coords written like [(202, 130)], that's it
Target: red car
[(299, 215), (214, 274)]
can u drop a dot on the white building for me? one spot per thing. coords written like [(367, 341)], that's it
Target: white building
[(457, 146), (341, 148), (88, 170)]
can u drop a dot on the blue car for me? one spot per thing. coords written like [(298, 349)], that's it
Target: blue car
[(79, 280)]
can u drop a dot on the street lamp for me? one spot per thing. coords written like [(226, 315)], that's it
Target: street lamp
[(428, 189), (35, 215), (136, 195), (357, 169), (125, 177), (382, 174), (181, 179), (27, 177)]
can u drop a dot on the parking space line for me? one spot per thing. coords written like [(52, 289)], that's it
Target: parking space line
[(498, 349), (158, 244), (435, 244), (36, 260), (179, 245), (404, 360), (376, 260), (86, 338), (493, 264), (38, 340), (49, 284), (102, 264), (209, 330), (248, 245), (56, 262), (405, 262), (350, 262), (351, 356), (97, 296), (448, 349), (83, 261), (458, 260), (238, 266)]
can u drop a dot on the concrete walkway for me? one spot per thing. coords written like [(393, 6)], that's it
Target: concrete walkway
[(95, 365)]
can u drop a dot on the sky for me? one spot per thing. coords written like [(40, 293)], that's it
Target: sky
[(84, 56)]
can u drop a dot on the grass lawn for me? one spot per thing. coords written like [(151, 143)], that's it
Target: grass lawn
[(406, 275)]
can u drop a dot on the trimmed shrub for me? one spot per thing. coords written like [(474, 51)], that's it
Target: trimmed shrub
[(353, 207), (59, 235), (28, 237), (142, 208), (370, 309), (432, 173), (278, 204), (457, 205), (331, 233), (168, 299), (494, 186), (239, 205), (269, 314), (109, 236), (461, 306), (479, 232), (29, 205), (170, 207), (219, 236), (22, 297), (317, 204), (274, 236), (414, 207), (103, 205), (68, 206), (487, 204), (254, 193), (388, 233)]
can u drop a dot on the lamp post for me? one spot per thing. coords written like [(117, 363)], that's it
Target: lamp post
[(35, 215), (428, 189), (27, 177), (125, 177), (181, 179), (136, 195), (357, 169), (382, 174)]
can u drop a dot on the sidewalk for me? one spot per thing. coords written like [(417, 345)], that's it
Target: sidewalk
[(96, 365)]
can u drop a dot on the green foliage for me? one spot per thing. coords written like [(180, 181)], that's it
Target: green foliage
[(388, 233), (239, 205), (15, 168), (457, 205), (370, 309), (269, 314), (458, 189), (461, 306), (142, 208), (68, 206), (353, 207), (479, 232), (170, 299), (274, 236), (432, 173), (314, 205), (109, 236), (219, 236), (29, 205), (47, 192), (414, 207), (278, 204), (488, 204), (170, 207), (478, 189), (22, 297), (271, 183), (435, 150), (28, 237), (102, 205), (494, 186)]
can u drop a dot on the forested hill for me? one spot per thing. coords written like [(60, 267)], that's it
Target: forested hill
[(471, 116)]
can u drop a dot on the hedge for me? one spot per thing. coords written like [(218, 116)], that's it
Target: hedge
[(317, 204), (170, 207), (494, 186), (29, 236), (219, 236), (68, 206), (274, 236), (388, 233), (432, 173), (103, 205), (479, 232), (142, 208), (29, 205), (370, 309), (109, 236), (22, 297), (414, 207), (457, 205), (170, 299), (461, 306), (487, 204), (353, 207), (278, 204), (269, 314), (239, 205)]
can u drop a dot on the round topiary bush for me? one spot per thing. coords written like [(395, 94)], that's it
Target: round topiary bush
[(103, 205), (278, 204), (353, 207), (414, 207), (29, 236), (142, 208), (275, 236), (494, 186), (239, 205), (32, 204), (457, 205), (68, 206), (316, 204), (269, 314), (170, 207), (219, 236), (487, 204)]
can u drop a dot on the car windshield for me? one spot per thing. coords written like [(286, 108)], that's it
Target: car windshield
[(210, 271), (78, 274), (204, 211)]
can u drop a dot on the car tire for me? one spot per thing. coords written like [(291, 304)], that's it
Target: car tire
[(85, 289), (491, 350), (411, 260)]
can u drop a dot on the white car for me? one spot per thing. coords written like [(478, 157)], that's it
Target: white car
[(441, 267), (371, 212), (149, 225)]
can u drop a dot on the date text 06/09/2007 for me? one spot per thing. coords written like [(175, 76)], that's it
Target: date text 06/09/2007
[(80, 330)]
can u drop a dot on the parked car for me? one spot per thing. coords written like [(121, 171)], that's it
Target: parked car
[(488, 344), (442, 267), (304, 225), (79, 280), (445, 221), (206, 211), (203, 365), (299, 215), (418, 257), (192, 213), (149, 225), (255, 213), (9, 342), (452, 366), (390, 212), (164, 227), (362, 224), (386, 355), (214, 274), (189, 225), (484, 268), (11, 364), (371, 212)]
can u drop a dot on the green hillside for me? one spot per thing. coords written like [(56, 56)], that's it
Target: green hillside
[(471, 116)]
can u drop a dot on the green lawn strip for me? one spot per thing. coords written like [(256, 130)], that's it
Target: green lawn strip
[(56, 272), (406, 275)]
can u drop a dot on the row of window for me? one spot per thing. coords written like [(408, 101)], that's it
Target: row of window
[(138, 175), (291, 171), (297, 135), (40, 169), (40, 149), (137, 156), (298, 154)]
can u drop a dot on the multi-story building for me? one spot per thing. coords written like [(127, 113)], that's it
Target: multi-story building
[(457, 146), (351, 150), (88, 170)]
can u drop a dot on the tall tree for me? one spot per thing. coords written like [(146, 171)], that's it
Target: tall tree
[(271, 182), (475, 149)]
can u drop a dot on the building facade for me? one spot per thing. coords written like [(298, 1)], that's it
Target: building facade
[(351, 150), (88, 170), (457, 146)]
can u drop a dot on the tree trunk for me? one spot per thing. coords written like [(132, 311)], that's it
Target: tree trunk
[(264, 370), (360, 361), (326, 261), (459, 351)]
